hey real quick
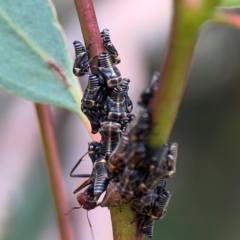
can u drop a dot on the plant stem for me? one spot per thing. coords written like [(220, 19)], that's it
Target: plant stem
[(90, 29), (187, 17), (54, 169)]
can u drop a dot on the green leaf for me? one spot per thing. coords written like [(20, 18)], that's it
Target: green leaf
[(34, 60), (230, 3)]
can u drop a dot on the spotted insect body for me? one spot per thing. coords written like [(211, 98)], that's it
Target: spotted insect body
[(148, 231), (108, 73), (117, 157), (110, 47), (148, 93), (159, 208), (115, 106), (129, 182), (110, 135), (93, 101), (100, 176), (81, 63)]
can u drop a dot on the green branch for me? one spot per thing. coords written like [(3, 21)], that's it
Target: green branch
[(187, 17)]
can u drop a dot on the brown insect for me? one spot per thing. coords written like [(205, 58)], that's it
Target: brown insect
[(113, 195), (86, 200)]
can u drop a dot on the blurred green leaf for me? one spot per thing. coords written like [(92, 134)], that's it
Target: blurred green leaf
[(230, 3), (35, 62), (32, 205)]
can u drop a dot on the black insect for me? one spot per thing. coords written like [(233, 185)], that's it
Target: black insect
[(131, 148), (162, 164), (126, 121), (93, 102), (151, 207), (125, 87), (108, 73), (100, 174), (129, 182), (116, 106), (159, 208), (148, 231), (141, 202), (116, 160), (94, 154), (110, 135), (81, 63), (148, 93), (139, 128), (110, 47)]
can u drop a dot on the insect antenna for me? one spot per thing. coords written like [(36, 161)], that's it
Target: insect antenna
[(71, 210), (91, 228)]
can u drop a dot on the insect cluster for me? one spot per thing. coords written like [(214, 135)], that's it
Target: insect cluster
[(123, 166)]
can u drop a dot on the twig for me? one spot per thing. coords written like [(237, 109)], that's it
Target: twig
[(90, 29), (55, 174), (188, 15)]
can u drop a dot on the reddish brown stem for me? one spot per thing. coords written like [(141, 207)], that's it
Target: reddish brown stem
[(54, 169), (90, 29)]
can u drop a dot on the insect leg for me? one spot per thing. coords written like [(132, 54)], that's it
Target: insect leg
[(76, 165)]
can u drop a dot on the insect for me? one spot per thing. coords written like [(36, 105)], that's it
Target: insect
[(125, 87), (129, 182), (86, 201), (93, 101), (94, 154), (148, 93), (148, 231), (116, 106), (112, 196), (126, 121), (139, 203), (139, 128), (108, 73), (110, 133), (100, 175), (152, 208), (81, 63), (143, 200), (117, 157), (110, 47), (159, 208), (131, 149), (162, 164)]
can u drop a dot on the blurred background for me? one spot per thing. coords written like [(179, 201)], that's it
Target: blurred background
[(205, 195)]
